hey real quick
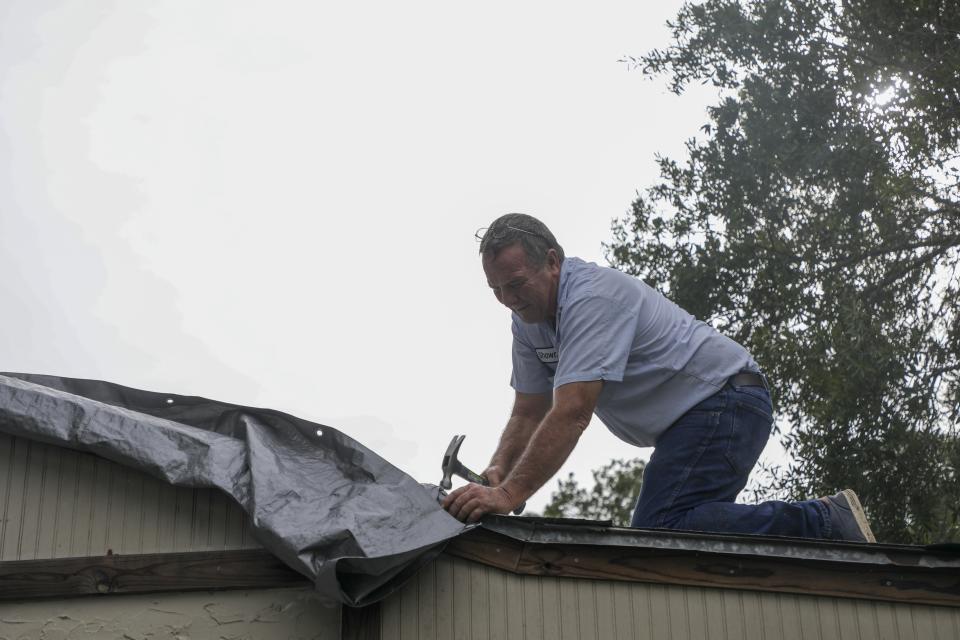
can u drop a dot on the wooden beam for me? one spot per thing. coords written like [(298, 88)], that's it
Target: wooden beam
[(912, 584), (144, 573)]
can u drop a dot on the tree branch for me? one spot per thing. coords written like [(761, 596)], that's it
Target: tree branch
[(907, 268), (945, 243), (939, 370)]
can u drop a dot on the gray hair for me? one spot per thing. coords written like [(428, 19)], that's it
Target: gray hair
[(519, 228)]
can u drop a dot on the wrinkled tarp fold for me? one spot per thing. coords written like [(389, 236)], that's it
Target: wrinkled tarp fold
[(320, 501)]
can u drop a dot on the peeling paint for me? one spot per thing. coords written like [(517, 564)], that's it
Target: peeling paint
[(294, 614), (220, 614), (271, 613), (58, 628)]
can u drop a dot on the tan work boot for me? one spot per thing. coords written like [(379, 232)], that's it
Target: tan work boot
[(848, 522)]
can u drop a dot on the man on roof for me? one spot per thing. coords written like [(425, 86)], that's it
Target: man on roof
[(592, 340)]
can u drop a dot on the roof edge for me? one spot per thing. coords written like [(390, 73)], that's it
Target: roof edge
[(572, 555)]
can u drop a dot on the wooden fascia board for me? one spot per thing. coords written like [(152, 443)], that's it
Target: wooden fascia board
[(145, 573), (255, 568), (894, 583), (153, 573)]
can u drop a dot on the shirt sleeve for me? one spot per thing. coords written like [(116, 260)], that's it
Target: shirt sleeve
[(597, 335), (529, 374)]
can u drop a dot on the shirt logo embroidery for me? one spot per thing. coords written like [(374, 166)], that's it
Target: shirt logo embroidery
[(548, 355)]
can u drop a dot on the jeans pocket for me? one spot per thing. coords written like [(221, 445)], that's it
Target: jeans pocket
[(758, 393), (748, 436)]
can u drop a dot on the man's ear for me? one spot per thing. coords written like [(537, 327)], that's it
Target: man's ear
[(553, 260)]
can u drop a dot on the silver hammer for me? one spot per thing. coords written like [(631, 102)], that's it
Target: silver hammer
[(451, 466)]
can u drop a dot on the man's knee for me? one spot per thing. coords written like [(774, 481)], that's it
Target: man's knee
[(653, 517)]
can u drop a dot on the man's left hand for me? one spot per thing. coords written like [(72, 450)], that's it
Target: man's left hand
[(473, 501)]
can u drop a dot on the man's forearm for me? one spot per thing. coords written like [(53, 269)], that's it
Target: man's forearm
[(514, 440), (545, 453), (564, 417)]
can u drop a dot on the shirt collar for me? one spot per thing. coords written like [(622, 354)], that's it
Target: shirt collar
[(568, 265)]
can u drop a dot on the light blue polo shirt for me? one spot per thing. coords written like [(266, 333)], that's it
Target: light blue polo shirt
[(656, 360)]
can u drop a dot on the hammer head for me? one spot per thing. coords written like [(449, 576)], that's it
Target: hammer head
[(450, 463)]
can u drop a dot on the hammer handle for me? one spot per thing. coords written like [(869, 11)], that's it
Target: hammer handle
[(473, 477)]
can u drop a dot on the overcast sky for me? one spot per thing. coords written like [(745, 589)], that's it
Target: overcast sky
[(274, 203)]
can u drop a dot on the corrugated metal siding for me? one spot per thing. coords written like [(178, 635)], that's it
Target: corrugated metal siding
[(453, 598), (58, 503)]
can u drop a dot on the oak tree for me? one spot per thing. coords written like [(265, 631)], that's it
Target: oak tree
[(816, 219)]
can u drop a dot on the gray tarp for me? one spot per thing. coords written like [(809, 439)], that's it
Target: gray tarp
[(319, 500)]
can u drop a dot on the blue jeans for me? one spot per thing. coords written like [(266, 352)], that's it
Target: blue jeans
[(701, 463)]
